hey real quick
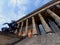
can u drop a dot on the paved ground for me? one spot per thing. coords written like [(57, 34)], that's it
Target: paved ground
[(48, 39), (4, 40)]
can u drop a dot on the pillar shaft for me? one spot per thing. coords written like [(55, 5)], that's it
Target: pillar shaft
[(58, 6), (20, 30), (16, 31), (34, 26), (44, 24), (53, 26), (56, 17), (26, 27)]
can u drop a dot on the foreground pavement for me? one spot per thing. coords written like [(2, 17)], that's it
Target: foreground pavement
[(47, 39)]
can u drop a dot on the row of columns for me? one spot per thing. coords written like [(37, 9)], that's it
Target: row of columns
[(53, 26), (16, 31), (53, 15), (26, 28), (20, 30), (44, 24)]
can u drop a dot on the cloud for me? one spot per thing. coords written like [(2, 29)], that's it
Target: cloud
[(22, 9), (10, 10), (13, 3), (1, 5), (37, 2), (3, 19), (23, 2), (19, 2), (18, 8), (40, 2)]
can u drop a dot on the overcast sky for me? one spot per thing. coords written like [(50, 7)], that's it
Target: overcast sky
[(16, 9)]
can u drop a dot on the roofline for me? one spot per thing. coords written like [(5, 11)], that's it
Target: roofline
[(51, 2)]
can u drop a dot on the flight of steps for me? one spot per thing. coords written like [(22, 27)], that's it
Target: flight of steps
[(47, 39), (4, 40)]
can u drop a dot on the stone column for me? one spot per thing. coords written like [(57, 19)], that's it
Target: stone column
[(34, 26), (56, 17), (16, 31), (53, 26), (58, 6), (20, 30), (44, 24), (26, 27)]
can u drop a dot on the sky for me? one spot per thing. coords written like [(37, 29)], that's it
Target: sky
[(16, 9)]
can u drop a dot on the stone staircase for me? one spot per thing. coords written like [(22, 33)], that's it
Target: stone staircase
[(47, 39), (4, 40)]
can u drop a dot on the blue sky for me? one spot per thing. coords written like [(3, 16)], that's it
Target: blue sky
[(16, 9)]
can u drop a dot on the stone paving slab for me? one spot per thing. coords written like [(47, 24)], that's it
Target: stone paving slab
[(47, 39), (4, 40)]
